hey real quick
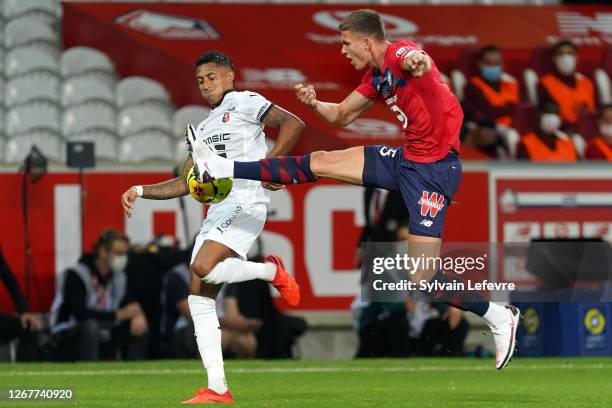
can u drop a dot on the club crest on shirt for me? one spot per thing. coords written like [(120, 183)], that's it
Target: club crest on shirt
[(386, 83), (226, 117)]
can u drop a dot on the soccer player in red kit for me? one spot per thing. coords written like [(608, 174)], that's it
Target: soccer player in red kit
[(426, 170)]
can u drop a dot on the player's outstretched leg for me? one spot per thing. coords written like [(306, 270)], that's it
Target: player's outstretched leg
[(341, 165)]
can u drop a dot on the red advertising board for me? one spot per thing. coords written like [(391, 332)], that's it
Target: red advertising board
[(548, 202), (315, 227)]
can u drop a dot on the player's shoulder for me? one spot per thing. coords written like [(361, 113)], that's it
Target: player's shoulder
[(400, 48), (248, 96)]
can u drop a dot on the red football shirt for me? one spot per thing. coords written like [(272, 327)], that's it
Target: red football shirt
[(429, 113)]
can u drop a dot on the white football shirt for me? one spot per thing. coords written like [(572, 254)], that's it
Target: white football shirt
[(234, 129)]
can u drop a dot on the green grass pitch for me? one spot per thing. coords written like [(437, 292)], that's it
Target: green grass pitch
[(580, 382)]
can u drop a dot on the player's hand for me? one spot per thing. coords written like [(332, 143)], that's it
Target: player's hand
[(127, 201), (417, 63), (30, 322), (138, 325), (272, 186), (306, 94), (253, 324)]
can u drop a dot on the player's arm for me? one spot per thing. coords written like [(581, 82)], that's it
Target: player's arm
[(338, 114), (290, 128), (417, 63), (173, 188)]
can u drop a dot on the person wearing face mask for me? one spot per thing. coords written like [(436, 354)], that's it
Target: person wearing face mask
[(547, 143), (491, 97), (600, 148), (92, 315), (569, 89)]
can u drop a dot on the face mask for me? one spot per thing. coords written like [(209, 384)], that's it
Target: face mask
[(566, 64), (606, 131), (549, 122), (118, 263), (491, 73)]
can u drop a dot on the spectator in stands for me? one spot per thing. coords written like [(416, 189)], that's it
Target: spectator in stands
[(22, 326), (92, 314), (547, 143), (569, 89), (600, 148), (237, 332), (491, 97)]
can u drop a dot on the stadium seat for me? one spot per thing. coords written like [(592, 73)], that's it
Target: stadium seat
[(23, 60), (33, 116), (106, 143), (135, 119), (135, 90), (466, 67), (602, 76), (146, 146), (84, 88), (2, 122), (35, 86), (193, 114), (180, 150), (89, 116), (79, 60), (27, 30), (540, 64), (48, 142), (525, 118), (47, 10), (587, 125)]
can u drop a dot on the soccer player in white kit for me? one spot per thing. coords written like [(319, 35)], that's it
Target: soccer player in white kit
[(234, 129)]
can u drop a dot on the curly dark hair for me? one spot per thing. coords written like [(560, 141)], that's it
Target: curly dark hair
[(216, 57)]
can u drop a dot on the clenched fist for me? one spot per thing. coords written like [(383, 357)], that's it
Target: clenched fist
[(306, 94)]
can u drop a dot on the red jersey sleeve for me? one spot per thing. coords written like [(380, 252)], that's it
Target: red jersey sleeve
[(366, 88), (399, 51)]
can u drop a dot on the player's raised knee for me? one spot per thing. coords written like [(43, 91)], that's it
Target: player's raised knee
[(201, 268), (319, 163)]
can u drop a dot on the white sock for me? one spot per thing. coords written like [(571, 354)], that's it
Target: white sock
[(496, 315), (234, 270), (221, 167), (208, 336)]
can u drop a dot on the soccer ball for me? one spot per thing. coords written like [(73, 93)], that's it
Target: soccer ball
[(212, 192)]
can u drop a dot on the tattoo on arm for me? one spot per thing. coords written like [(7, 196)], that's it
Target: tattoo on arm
[(173, 188), (277, 116), (290, 126)]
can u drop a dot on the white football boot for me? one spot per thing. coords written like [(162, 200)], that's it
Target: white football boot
[(201, 154), (504, 336)]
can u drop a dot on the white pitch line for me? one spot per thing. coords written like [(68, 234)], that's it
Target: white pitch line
[(407, 369)]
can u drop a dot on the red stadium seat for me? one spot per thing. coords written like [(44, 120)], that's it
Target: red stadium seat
[(587, 125), (602, 77), (525, 118)]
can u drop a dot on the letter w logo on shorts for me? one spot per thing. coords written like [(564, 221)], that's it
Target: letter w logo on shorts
[(431, 203)]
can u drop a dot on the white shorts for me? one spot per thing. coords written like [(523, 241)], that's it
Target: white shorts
[(235, 225)]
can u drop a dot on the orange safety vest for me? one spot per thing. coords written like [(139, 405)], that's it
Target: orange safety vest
[(570, 100), (605, 148), (508, 93), (539, 151)]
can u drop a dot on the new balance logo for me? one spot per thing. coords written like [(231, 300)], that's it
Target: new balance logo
[(431, 204), (427, 223)]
